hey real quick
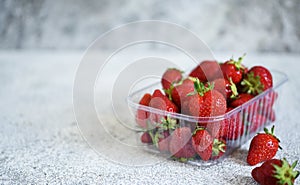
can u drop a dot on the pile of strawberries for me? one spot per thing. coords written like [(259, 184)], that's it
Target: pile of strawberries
[(215, 96), (210, 90)]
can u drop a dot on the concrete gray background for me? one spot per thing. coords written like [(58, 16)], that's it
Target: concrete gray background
[(271, 25)]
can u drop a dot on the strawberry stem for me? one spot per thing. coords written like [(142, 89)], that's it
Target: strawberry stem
[(285, 174), (200, 87), (252, 84), (233, 89), (238, 64)]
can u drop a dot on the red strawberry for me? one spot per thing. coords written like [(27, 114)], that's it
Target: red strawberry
[(271, 115), (142, 115), (202, 143), (225, 87), (162, 102), (206, 102), (256, 121), (257, 80), (163, 141), (171, 76), (146, 138), (207, 71), (275, 171), (241, 99), (180, 145), (218, 149), (233, 127), (180, 92), (233, 69), (263, 147)]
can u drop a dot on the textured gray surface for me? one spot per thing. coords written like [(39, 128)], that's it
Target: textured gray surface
[(40, 141), (271, 25)]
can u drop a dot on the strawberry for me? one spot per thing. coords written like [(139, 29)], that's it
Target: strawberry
[(163, 141), (146, 138), (202, 143), (171, 76), (265, 106), (241, 99), (142, 115), (225, 87), (218, 149), (275, 171), (257, 80), (256, 121), (205, 102), (161, 137), (263, 147), (180, 92), (233, 69), (233, 127), (161, 102), (180, 145), (207, 71)]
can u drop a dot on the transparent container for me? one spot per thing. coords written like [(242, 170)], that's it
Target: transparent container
[(241, 123)]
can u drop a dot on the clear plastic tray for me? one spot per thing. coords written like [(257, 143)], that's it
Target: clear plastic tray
[(241, 117)]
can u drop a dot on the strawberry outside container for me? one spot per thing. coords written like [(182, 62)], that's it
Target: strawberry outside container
[(238, 125)]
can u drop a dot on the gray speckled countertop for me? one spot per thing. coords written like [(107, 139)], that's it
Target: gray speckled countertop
[(40, 142)]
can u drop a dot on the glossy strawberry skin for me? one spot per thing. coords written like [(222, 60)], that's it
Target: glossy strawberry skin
[(223, 86), (264, 74), (146, 138), (170, 76), (241, 99), (203, 143), (180, 145), (256, 121), (207, 71), (180, 92), (230, 71), (262, 147), (233, 127), (275, 171), (142, 115), (163, 142), (264, 173), (212, 103), (161, 102)]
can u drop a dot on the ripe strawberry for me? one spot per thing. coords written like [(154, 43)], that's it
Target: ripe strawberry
[(256, 121), (275, 171), (263, 147), (180, 145), (161, 102), (202, 143), (171, 76), (241, 99), (233, 69), (207, 71), (180, 92), (233, 127), (206, 102), (218, 149), (142, 115), (265, 106), (257, 80), (146, 138), (225, 87), (163, 141)]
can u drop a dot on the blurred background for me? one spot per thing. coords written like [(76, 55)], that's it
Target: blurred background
[(258, 26)]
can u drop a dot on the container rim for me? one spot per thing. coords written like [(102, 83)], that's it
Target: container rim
[(281, 80)]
